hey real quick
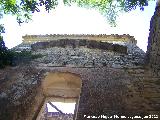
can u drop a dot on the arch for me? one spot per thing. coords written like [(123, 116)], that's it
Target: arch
[(61, 87), (61, 84)]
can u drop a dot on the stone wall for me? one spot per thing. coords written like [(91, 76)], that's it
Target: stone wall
[(112, 83), (153, 49), (79, 43), (105, 91), (85, 57), (19, 91)]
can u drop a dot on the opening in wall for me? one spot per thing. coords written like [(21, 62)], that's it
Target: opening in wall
[(58, 109), (62, 91)]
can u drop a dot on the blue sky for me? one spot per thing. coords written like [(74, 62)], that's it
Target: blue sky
[(74, 20)]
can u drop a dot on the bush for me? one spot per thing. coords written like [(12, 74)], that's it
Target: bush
[(12, 58), (4, 54)]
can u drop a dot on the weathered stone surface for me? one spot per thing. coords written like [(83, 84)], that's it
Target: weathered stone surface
[(153, 50), (107, 91), (113, 83), (63, 84), (101, 37), (18, 93), (85, 57), (78, 43)]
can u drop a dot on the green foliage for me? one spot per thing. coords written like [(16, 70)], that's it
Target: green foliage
[(10, 57), (24, 54), (23, 9), (4, 54), (36, 56), (110, 8)]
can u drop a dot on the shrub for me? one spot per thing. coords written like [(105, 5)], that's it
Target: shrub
[(12, 58), (4, 54)]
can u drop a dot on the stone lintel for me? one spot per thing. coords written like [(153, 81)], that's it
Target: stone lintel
[(100, 37)]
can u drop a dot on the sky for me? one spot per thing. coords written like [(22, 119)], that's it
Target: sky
[(64, 107), (75, 20)]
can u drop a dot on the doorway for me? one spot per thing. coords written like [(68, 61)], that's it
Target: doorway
[(62, 92)]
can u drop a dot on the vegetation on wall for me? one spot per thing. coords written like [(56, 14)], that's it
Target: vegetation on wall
[(23, 10), (13, 58), (4, 54)]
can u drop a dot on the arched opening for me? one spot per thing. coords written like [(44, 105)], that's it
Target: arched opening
[(62, 91)]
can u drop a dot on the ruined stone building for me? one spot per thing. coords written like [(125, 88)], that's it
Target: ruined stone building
[(103, 75)]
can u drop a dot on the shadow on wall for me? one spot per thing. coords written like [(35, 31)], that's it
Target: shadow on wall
[(92, 44), (60, 88), (61, 84)]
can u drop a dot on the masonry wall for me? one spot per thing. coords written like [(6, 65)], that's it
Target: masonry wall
[(19, 91), (126, 91), (80, 43), (153, 49)]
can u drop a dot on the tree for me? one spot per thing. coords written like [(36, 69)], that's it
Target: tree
[(23, 9), (110, 8)]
